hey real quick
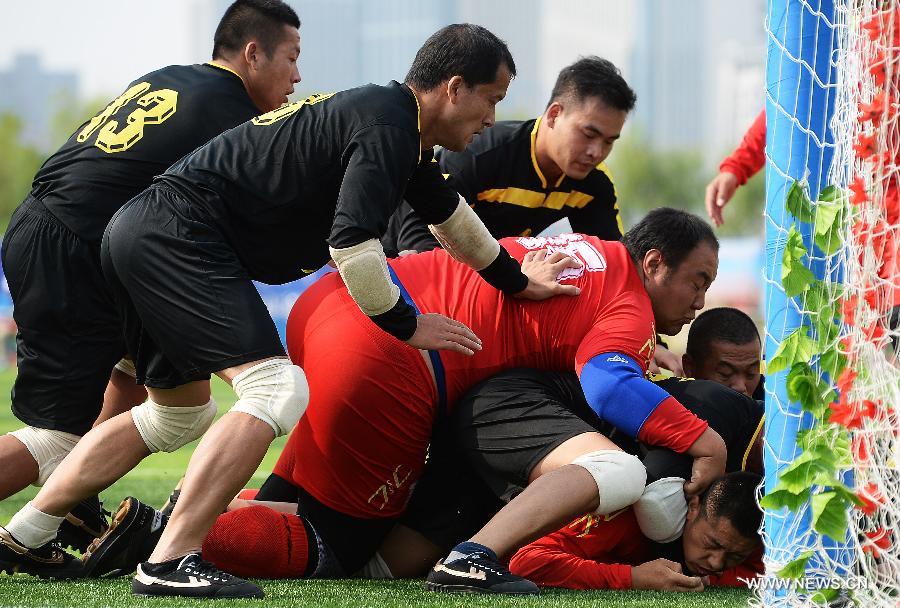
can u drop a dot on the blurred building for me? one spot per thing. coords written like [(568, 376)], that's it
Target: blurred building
[(35, 94)]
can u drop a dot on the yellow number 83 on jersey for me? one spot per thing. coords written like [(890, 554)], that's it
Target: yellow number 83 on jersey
[(155, 108)]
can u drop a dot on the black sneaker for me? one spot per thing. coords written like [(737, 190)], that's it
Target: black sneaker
[(130, 539), (190, 577), (49, 561), (169, 505), (477, 573), (87, 521)]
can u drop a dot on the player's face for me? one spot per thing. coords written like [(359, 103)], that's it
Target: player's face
[(677, 295), (273, 78), (734, 365), (472, 109), (581, 135), (712, 545)]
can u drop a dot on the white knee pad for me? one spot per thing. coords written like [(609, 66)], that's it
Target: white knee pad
[(465, 237), (274, 391), (126, 366), (662, 509), (165, 428), (48, 448), (620, 478), (376, 569)]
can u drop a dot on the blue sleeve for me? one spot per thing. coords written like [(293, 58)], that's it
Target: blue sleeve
[(617, 391)]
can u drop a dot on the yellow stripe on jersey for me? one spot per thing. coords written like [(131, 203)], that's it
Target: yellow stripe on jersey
[(227, 69), (533, 199), (534, 162), (759, 428)]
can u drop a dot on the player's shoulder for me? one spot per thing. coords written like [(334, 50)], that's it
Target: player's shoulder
[(199, 80), (599, 182), (393, 104)]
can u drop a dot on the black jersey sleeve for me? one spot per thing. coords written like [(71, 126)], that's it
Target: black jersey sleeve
[(600, 217), (407, 231), (428, 193), (379, 162), (462, 173)]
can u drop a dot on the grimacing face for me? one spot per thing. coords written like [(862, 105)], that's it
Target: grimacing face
[(472, 108), (581, 134), (712, 545), (677, 295), (273, 78)]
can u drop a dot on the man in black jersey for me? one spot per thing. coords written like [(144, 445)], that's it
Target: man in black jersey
[(69, 330), (522, 176), (285, 192)]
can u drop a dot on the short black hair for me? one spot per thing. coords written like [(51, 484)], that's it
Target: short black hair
[(733, 496), (675, 233), (726, 324), (262, 20), (593, 76), (461, 49)]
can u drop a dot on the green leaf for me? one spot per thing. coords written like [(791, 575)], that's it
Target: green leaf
[(829, 515), (795, 276), (778, 499), (832, 362), (795, 569), (801, 473), (798, 203), (807, 388), (828, 224), (797, 347), (846, 494), (824, 596), (830, 194), (826, 331)]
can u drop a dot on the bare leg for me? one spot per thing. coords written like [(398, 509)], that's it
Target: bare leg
[(106, 453), (19, 467), (121, 395), (226, 458), (407, 553), (557, 493)]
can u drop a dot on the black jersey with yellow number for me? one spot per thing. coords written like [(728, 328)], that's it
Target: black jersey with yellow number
[(112, 157), (333, 167), (499, 177)]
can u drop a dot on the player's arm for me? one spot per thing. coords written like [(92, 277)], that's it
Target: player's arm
[(617, 391), (550, 564)]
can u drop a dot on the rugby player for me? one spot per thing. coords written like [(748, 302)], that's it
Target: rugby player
[(522, 176), (720, 546), (288, 190), (69, 331), (359, 449)]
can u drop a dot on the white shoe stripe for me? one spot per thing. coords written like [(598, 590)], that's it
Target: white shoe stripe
[(152, 580)]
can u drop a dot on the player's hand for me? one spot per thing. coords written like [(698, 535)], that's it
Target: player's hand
[(718, 193), (666, 359), (663, 575), (437, 332), (709, 461), (543, 272)]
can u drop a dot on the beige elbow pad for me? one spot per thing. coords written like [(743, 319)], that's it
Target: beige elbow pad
[(466, 238), (364, 270)]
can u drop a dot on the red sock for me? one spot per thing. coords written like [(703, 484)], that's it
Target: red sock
[(258, 542)]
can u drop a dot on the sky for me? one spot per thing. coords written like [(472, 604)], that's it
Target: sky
[(97, 38)]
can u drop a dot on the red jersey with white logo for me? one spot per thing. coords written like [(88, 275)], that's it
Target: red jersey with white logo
[(612, 313)]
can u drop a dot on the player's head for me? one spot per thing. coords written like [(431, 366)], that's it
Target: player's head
[(460, 74), (723, 345), (677, 256), (584, 118), (260, 39), (721, 529)]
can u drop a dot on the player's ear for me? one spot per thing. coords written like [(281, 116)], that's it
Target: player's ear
[(687, 364), (652, 263), (693, 508), (251, 53), (454, 86), (552, 113)]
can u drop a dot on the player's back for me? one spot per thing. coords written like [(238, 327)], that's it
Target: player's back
[(611, 314), (112, 157)]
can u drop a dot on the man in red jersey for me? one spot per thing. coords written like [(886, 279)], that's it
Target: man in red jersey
[(353, 459), (720, 546)]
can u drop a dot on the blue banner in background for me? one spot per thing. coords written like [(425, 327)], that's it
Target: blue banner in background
[(280, 299)]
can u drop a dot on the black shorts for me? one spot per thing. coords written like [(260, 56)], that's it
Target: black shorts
[(188, 304), (69, 333), (507, 424)]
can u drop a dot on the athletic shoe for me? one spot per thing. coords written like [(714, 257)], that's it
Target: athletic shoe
[(130, 539), (87, 521), (169, 505), (190, 577), (477, 573), (48, 561)]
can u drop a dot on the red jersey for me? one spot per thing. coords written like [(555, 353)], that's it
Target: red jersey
[(598, 551), (612, 314), (750, 155)]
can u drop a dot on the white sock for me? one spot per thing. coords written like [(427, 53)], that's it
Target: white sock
[(33, 528)]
